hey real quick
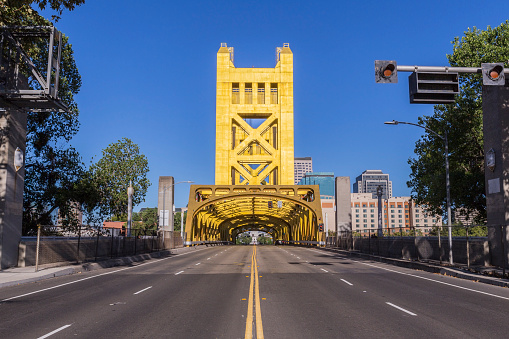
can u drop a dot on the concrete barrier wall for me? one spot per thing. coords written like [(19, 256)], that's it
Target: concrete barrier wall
[(66, 250), (419, 248)]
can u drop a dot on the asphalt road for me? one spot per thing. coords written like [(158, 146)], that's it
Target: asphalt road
[(255, 291)]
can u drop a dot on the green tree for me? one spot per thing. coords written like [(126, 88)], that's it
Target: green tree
[(177, 220), (120, 164), (54, 171), (463, 123), (149, 219), (25, 6)]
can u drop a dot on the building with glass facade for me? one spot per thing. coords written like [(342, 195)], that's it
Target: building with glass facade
[(369, 181), (323, 179)]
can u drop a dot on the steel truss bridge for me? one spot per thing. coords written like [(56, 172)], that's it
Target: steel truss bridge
[(218, 213)]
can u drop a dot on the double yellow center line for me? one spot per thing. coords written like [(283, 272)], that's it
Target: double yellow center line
[(254, 298)]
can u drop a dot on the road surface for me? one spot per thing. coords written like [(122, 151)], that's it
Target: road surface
[(255, 291)]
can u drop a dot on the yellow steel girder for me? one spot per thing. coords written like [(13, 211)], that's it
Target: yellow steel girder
[(217, 213)]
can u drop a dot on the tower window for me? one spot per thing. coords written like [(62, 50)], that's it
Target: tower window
[(235, 93), (248, 91), (261, 93), (273, 93)]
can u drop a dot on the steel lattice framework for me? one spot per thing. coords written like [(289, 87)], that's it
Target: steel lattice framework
[(254, 160)]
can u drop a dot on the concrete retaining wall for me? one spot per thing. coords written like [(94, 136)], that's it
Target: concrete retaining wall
[(66, 250), (420, 248)]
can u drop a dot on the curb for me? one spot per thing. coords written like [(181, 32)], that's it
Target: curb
[(93, 266)]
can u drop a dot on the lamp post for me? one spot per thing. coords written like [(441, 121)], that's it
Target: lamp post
[(447, 182)]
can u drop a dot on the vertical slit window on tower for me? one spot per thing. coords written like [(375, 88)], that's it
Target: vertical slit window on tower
[(248, 91), (261, 93), (235, 93), (273, 93)]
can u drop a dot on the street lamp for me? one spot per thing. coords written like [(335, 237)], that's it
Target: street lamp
[(447, 183)]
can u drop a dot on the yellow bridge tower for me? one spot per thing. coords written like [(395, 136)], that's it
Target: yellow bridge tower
[(254, 121), (254, 188)]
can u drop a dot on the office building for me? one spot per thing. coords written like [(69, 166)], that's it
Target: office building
[(301, 167), (369, 181), (399, 214)]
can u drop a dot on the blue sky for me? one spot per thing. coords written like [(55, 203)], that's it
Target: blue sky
[(149, 72)]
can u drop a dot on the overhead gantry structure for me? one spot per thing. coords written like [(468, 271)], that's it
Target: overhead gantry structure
[(218, 213)]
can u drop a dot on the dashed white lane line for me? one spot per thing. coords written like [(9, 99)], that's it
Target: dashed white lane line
[(143, 290), (197, 264), (55, 331), (401, 309), (436, 281), (179, 272), (97, 275), (208, 258), (346, 282), (324, 270)]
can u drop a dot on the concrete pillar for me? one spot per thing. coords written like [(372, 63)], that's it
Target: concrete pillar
[(12, 135), (343, 204), (496, 137), (165, 203)]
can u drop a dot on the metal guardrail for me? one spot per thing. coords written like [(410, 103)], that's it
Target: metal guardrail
[(90, 243), (470, 243)]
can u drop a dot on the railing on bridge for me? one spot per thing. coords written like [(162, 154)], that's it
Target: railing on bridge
[(469, 243), (90, 243)]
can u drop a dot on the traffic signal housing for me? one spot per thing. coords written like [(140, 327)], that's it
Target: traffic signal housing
[(269, 204), (320, 227), (493, 74), (433, 87), (386, 71)]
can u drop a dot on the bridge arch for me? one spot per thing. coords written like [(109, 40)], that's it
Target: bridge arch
[(218, 213)]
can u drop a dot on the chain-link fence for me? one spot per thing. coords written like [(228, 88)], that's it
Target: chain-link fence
[(55, 244), (470, 244)]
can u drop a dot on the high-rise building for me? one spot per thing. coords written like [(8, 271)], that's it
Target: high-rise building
[(254, 121), (326, 182), (323, 179), (301, 167), (369, 181), (398, 214)]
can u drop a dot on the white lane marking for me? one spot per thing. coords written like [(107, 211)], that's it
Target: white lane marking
[(95, 276), (143, 290), (298, 257), (324, 270), (197, 264), (424, 278), (179, 272), (437, 281), (53, 332), (346, 282), (208, 258), (401, 309)]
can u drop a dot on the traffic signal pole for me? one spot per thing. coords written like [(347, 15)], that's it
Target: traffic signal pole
[(426, 85)]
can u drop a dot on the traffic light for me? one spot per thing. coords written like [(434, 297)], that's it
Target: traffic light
[(386, 71), (433, 87), (320, 227), (493, 74), (270, 204)]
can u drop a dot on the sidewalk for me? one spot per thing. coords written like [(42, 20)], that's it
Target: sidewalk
[(485, 275), (21, 275)]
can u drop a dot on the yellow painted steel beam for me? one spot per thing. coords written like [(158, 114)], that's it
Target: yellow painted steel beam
[(244, 95), (219, 212)]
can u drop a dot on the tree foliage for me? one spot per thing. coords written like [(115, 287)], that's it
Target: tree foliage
[(463, 123), (53, 169), (120, 164), (24, 6)]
